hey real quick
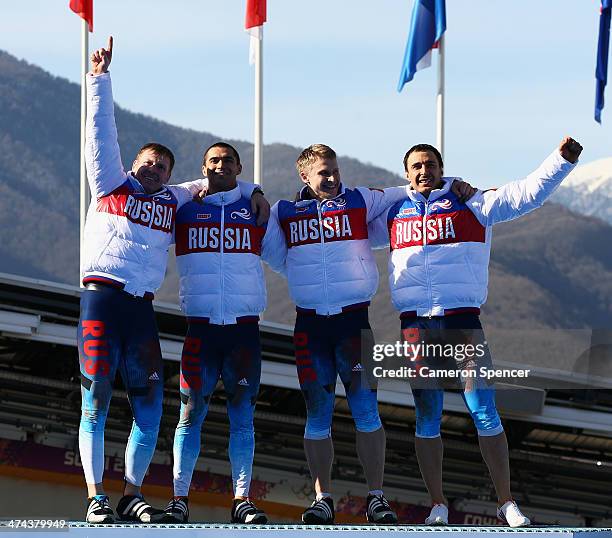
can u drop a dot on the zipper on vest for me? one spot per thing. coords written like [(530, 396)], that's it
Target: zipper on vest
[(222, 234), (427, 279), (323, 255)]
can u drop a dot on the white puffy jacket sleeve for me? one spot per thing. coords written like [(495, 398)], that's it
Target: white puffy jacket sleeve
[(274, 244), (102, 156), (520, 197), (378, 231), (185, 192), (379, 200), (247, 188)]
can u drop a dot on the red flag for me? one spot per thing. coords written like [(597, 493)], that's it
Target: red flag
[(255, 13), (84, 9)]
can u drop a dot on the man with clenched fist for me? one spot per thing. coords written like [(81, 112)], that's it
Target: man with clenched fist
[(438, 275)]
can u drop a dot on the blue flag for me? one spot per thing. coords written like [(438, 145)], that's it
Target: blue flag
[(601, 72), (427, 26)]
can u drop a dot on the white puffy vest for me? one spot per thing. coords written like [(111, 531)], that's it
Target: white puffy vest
[(218, 253), (329, 261)]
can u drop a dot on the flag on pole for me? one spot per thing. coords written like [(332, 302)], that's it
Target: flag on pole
[(255, 13), (426, 28), (255, 18), (84, 9), (603, 45)]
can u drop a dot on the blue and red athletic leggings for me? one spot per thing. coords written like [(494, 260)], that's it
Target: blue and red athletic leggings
[(118, 332), (477, 393), (328, 346), (231, 353)]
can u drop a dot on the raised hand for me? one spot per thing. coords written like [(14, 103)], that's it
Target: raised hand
[(570, 149), (101, 58)]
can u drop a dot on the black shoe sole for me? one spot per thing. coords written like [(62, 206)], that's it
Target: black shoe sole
[(387, 519), (310, 519), (168, 518)]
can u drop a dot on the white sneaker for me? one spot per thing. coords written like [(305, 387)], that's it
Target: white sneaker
[(511, 514), (438, 515)]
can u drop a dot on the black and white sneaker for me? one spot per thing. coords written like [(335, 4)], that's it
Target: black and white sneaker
[(177, 510), (379, 511), (320, 512), (135, 508), (244, 511), (99, 510)]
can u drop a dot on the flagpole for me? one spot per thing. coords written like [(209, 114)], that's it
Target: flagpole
[(85, 195), (440, 98), (258, 138)]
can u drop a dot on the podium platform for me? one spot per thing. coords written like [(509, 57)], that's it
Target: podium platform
[(83, 530)]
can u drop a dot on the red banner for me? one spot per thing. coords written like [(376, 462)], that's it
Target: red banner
[(255, 13), (84, 9)]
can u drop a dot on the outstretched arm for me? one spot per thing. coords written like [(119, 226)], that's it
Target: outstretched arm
[(102, 156), (188, 190), (379, 200), (520, 197)]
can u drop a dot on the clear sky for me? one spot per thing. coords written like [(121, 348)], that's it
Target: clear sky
[(519, 74)]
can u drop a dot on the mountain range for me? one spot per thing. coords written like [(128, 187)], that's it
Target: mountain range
[(552, 268)]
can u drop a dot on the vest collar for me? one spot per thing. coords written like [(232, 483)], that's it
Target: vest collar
[(223, 197), (435, 194)]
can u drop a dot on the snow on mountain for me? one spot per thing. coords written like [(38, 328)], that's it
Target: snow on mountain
[(588, 190)]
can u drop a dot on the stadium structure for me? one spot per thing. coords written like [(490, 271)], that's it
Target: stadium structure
[(560, 440)]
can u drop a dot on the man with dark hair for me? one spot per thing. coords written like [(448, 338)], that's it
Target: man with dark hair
[(219, 248), (127, 234), (222, 145), (438, 275), (423, 148)]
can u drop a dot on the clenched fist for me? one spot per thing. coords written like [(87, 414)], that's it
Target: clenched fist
[(570, 149)]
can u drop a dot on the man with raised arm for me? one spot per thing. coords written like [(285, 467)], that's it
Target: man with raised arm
[(332, 276), (127, 234), (438, 275)]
